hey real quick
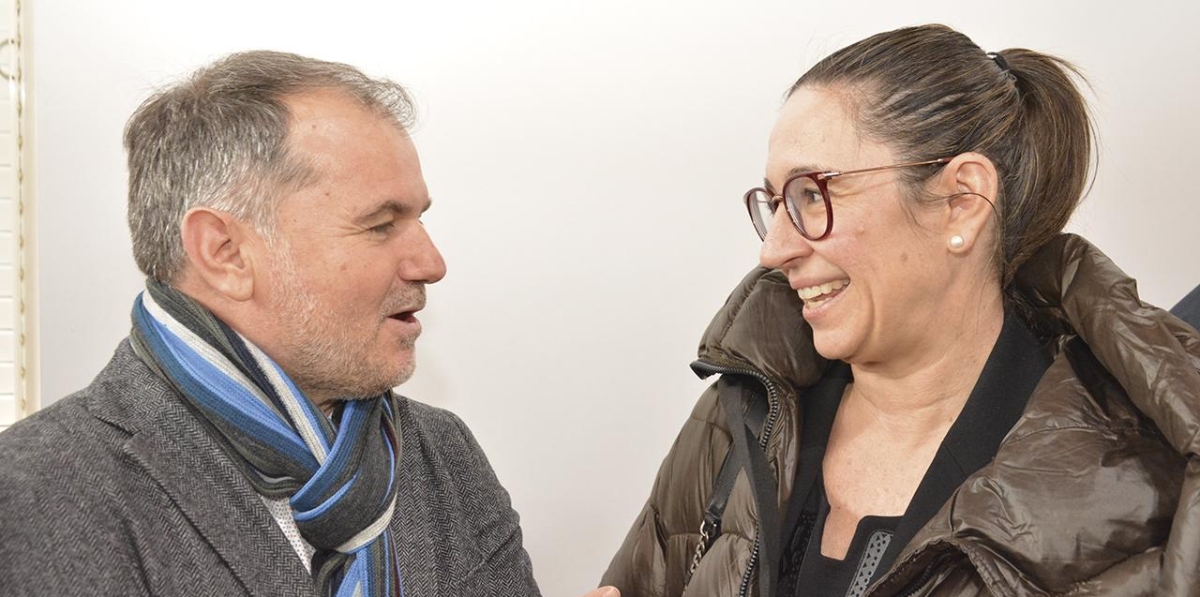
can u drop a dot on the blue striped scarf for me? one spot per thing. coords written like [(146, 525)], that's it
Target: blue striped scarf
[(339, 475)]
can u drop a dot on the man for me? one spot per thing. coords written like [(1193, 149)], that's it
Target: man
[(244, 440), (1188, 308)]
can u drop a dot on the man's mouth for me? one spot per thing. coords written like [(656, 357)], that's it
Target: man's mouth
[(405, 316), (815, 295), (404, 305)]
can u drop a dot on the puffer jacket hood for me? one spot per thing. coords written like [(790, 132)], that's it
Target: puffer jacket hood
[(761, 327), (1095, 491)]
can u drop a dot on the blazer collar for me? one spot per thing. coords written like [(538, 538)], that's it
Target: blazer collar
[(177, 452)]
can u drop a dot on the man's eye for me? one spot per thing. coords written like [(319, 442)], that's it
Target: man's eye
[(383, 228)]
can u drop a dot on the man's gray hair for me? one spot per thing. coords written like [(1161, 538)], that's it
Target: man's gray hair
[(219, 140)]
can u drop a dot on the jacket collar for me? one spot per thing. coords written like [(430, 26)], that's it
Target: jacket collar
[(1073, 288), (177, 452), (761, 327)]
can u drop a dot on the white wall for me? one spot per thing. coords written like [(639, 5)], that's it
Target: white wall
[(586, 164)]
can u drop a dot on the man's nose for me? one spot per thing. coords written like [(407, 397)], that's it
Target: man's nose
[(423, 262)]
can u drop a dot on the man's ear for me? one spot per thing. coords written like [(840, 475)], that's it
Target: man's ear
[(219, 251), (971, 184)]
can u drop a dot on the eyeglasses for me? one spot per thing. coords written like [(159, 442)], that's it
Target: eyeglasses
[(806, 197)]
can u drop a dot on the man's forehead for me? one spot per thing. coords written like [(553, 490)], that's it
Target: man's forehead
[(329, 126), (364, 165), (333, 112)]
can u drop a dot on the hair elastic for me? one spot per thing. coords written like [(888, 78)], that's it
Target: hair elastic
[(999, 60)]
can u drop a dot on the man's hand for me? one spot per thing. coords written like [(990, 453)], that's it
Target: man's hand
[(604, 592)]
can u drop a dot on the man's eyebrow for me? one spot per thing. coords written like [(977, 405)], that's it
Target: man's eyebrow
[(393, 206)]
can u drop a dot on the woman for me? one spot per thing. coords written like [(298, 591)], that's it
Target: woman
[(928, 389)]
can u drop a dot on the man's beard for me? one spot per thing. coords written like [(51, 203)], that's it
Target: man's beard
[(328, 358)]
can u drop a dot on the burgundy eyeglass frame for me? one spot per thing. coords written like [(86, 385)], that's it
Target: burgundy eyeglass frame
[(822, 181)]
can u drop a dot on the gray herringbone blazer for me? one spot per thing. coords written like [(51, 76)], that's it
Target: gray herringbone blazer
[(119, 490)]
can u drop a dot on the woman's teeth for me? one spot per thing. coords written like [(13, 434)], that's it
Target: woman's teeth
[(810, 293)]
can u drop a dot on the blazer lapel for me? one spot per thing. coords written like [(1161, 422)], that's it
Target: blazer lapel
[(175, 450), (225, 511)]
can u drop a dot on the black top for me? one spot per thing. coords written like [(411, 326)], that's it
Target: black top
[(851, 575), (1012, 371)]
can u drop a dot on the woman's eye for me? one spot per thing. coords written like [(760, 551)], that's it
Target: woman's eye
[(807, 196)]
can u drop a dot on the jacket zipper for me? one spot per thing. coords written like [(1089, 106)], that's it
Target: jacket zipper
[(926, 576), (768, 427)]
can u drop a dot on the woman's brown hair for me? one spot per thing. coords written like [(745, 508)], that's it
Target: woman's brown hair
[(930, 92)]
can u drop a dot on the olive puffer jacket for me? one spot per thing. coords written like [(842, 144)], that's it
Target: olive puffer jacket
[(1095, 491)]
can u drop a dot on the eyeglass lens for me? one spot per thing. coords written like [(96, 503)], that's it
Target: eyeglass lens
[(805, 204)]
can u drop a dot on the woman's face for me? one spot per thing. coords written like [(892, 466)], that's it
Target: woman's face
[(870, 288)]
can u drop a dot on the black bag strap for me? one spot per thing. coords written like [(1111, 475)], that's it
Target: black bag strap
[(755, 416), (729, 395), (762, 481)]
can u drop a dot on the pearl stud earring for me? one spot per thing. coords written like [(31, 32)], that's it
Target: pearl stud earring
[(957, 242)]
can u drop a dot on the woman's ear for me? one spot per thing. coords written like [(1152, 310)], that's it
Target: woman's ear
[(970, 184), (219, 251)]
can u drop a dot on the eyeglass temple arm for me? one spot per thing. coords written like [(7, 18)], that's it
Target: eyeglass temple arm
[(828, 175)]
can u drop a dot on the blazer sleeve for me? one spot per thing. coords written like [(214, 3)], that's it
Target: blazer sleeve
[(505, 569)]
